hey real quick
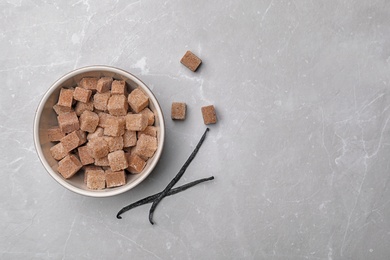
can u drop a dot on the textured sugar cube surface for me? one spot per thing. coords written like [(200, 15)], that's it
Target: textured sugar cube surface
[(88, 121), (104, 84), (135, 164), (138, 100), (178, 111), (82, 94), (191, 61), (68, 166), (118, 87), (117, 160), (115, 178), (66, 97), (209, 115)]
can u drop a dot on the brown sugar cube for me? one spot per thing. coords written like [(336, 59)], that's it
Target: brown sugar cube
[(136, 122), (81, 107), (96, 179), (117, 160), (100, 100), (129, 138), (89, 121), (178, 111), (138, 100), (61, 110), (209, 115), (191, 61), (68, 122), (55, 134), (88, 83), (82, 94), (146, 111), (146, 146), (116, 126), (104, 119), (149, 130), (98, 147), (68, 166), (72, 141), (102, 161), (115, 178), (89, 168), (85, 156), (114, 142), (118, 87), (58, 152), (117, 105), (98, 132), (136, 164), (66, 98), (103, 84)]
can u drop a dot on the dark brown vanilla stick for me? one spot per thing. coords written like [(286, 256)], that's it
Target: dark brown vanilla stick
[(176, 178), (151, 198)]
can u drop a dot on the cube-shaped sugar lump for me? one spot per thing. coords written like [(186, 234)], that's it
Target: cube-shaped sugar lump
[(138, 100), (104, 84), (118, 87), (96, 179), (191, 61), (68, 122), (149, 130), (88, 83), (115, 178), (116, 126), (178, 111), (136, 122), (72, 140), (146, 146), (66, 98), (150, 115), (81, 107), (58, 152), (117, 160), (89, 121), (68, 166), (103, 119), (98, 147), (100, 100), (114, 142), (85, 156), (55, 134), (102, 161), (98, 132), (61, 110), (82, 94), (129, 138), (89, 168), (136, 164), (209, 115), (117, 105)]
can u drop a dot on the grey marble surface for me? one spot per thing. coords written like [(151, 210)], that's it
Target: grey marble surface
[(300, 153)]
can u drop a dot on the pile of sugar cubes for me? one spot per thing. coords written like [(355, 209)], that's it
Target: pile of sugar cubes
[(103, 131)]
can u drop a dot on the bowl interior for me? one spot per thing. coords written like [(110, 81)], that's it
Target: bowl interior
[(46, 118)]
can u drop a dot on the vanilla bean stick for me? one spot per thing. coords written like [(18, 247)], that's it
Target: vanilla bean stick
[(151, 198), (176, 178)]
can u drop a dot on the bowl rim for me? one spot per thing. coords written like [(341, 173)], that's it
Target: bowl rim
[(54, 174)]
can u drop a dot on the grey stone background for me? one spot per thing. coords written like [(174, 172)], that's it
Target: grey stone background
[(300, 153)]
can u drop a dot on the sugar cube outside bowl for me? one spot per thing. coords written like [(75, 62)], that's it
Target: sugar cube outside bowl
[(45, 117)]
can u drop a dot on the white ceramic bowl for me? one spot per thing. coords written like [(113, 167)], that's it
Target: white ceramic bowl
[(45, 117)]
